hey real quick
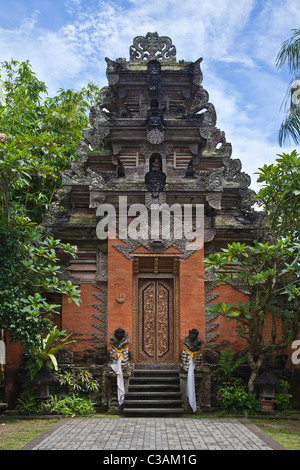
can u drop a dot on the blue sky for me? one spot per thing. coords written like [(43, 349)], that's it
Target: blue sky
[(66, 42)]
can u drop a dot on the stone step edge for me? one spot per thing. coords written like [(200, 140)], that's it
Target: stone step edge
[(153, 410)]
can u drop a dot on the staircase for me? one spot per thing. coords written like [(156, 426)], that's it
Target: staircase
[(154, 391)]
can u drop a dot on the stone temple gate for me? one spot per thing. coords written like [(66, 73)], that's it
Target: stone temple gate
[(152, 139)]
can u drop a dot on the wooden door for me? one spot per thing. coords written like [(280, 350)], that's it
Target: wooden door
[(155, 320)]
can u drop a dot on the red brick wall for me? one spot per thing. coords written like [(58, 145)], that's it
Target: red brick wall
[(226, 330), (191, 295), (119, 282), (79, 321)]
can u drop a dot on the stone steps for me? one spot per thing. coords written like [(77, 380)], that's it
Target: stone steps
[(154, 391)]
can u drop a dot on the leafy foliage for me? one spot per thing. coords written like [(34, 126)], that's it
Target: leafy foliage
[(43, 354), (234, 398), (38, 138), (280, 196), (268, 269), (68, 405), (29, 271), (228, 363), (80, 382), (282, 397), (27, 403), (57, 405)]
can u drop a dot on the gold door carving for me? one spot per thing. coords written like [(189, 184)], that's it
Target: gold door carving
[(148, 299), (156, 320)]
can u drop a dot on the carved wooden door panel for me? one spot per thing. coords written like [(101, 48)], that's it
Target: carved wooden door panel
[(156, 320)]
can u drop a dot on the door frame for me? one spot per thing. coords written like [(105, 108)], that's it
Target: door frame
[(135, 313)]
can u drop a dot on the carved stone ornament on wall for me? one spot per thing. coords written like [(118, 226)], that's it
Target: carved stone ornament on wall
[(120, 298), (155, 136), (152, 46), (214, 200)]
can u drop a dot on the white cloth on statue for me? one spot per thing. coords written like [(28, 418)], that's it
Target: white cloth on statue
[(2, 352), (191, 385), (117, 368)]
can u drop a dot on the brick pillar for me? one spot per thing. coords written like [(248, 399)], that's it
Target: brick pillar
[(191, 295), (119, 315)]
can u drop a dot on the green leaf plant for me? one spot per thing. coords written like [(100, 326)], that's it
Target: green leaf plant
[(268, 269), (38, 140), (42, 354)]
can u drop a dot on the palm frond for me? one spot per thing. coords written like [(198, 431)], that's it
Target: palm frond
[(290, 128), (290, 53)]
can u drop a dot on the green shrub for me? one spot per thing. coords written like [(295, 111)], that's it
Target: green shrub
[(228, 363), (26, 403), (234, 398), (80, 382), (68, 405), (282, 397)]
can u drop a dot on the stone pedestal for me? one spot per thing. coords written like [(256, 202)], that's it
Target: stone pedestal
[(202, 387), (267, 406), (111, 389)]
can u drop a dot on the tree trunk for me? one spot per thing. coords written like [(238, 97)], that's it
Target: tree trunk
[(255, 368)]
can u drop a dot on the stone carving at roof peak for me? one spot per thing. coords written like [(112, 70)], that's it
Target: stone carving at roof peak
[(152, 46)]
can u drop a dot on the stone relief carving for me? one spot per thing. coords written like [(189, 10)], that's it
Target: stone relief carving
[(108, 99), (208, 121), (96, 185), (155, 136), (214, 200), (161, 199), (214, 182), (101, 272), (96, 199), (152, 46), (198, 100), (154, 78), (113, 69), (197, 72), (216, 137)]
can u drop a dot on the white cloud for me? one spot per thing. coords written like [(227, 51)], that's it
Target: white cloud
[(52, 59)]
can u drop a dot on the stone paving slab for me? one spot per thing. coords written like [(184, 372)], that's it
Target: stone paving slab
[(161, 434)]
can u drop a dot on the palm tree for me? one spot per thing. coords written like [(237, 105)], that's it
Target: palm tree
[(290, 53)]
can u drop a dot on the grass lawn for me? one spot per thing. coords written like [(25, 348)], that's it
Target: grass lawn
[(16, 433), (284, 431)]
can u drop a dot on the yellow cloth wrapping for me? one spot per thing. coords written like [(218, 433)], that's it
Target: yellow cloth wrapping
[(119, 353), (193, 355)]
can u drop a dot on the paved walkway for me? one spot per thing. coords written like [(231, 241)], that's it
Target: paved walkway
[(175, 434)]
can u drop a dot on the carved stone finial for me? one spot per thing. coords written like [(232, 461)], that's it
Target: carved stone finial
[(152, 46)]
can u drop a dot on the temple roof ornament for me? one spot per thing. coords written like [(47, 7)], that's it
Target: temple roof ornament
[(152, 46)]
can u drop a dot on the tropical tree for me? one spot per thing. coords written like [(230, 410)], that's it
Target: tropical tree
[(29, 276), (38, 138), (289, 54), (269, 268)]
